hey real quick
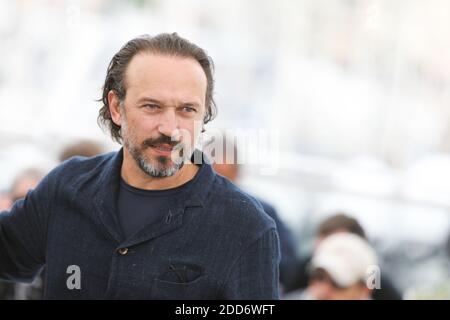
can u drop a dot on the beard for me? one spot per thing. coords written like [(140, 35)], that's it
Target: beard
[(157, 166)]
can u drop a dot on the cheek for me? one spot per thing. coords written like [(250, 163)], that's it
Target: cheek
[(356, 293), (142, 127), (189, 131), (320, 290), (345, 294)]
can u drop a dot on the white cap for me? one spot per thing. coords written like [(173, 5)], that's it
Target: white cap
[(346, 257)]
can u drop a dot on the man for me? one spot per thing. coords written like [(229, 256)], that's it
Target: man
[(337, 224), (145, 222), (341, 269)]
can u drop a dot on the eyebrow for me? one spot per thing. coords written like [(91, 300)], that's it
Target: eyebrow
[(148, 99), (152, 100)]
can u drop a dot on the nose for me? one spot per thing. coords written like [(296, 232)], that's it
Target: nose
[(168, 123)]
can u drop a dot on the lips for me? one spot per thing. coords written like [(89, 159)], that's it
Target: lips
[(163, 147)]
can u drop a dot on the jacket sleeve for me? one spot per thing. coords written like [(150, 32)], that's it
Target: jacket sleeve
[(23, 233), (255, 275), (288, 263)]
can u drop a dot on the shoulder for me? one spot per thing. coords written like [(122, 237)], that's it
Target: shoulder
[(73, 171), (268, 208), (77, 164), (238, 210)]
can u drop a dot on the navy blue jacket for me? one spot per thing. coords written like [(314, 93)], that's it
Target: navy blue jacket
[(216, 243)]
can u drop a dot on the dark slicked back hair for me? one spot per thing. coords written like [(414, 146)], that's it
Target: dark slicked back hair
[(170, 44)]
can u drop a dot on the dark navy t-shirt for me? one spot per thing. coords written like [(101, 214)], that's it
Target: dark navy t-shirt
[(138, 208)]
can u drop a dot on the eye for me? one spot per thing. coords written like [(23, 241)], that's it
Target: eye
[(188, 109), (151, 106)]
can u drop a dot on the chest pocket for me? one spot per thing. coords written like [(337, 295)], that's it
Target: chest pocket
[(182, 281)]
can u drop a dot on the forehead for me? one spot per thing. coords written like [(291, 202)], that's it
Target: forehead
[(165, 77)]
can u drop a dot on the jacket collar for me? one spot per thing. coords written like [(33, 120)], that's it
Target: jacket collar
[(106, 194)]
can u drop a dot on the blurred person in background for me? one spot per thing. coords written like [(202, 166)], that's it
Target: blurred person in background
[(25, 182), (153, 220), (5, 201), (229, 168), (83, 148), (339, 223), (448, 246), (339, 270)]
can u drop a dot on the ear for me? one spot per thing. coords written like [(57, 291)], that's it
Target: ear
[(114, 107)]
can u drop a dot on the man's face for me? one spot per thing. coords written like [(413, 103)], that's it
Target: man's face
[(326, 291), (322, 287), (165, 99)]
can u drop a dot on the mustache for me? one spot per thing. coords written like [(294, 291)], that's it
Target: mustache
[(163, 139)]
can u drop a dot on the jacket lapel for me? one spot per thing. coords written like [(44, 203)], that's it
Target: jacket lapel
[(106, 195)]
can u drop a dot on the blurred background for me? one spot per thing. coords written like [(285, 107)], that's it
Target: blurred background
[(359, 91)]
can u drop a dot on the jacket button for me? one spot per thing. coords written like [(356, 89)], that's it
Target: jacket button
[(123, 251)]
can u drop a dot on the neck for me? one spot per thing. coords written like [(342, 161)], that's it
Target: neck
[(135, 177)]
